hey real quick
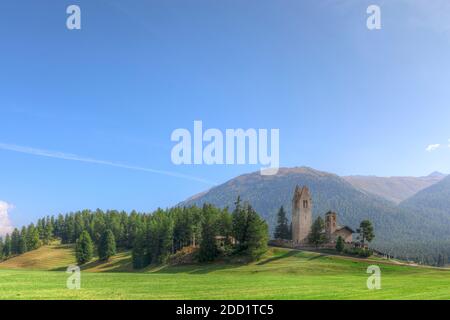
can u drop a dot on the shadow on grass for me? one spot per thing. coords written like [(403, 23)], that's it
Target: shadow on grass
[(276, 258), (123, 265), (118, 265), (320, 255), (203, 268)]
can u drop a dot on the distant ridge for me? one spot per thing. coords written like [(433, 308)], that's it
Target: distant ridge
[(437, 174), (432, 202), (395, 189)]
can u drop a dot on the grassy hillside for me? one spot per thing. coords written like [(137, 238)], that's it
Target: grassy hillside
[(45, 258), (59, 257), (283, 274)]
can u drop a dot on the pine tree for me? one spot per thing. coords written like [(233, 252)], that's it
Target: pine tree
[(133, 226), (317, 237), (40, 226), (339, 244), (239, 224), (78, 226), (107, 246), (23, 241), (7, 246), (159, 237), (257, 235), (282, 229), (366, 231), (33, 241), (225, 226), (250, 231), (15, 238), (98, 226), (84, 248), (139, 253), (48, 231), (69, 230), (59, 226), (1, 248), (208, 246)]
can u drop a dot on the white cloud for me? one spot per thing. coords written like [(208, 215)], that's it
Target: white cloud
[(5, 223), (433, 147)]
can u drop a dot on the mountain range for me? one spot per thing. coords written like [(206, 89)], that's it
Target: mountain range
[(395, 189), (411, 216)]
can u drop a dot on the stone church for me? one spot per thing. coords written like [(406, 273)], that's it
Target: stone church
[(302, 220)]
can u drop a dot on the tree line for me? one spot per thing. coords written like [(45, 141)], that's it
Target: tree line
[(151, 237)]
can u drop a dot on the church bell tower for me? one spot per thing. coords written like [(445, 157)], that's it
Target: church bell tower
[(301, 215)]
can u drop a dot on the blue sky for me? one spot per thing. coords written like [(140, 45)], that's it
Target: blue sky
[(346, 100)]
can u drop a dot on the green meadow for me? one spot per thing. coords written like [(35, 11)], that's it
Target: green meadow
[(282, 274)]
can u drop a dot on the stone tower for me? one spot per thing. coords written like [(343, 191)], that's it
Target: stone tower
[(330, 224), (301, 215)]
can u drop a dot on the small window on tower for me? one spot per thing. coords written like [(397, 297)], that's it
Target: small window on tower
[(305, 204)]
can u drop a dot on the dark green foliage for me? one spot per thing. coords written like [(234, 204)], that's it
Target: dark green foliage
[(7, 246), (59, 226), (84, 248), (107, 245), (139, 253), (317, 235), (339, 244), (47, 230), (132, 228), (250, 231), (239, 222), (257, 236), (152, 237), (159, 237), (33, 241), (15, 239), (282, 230), (225, 226), (68, 229), (366, 232), (187, 226), (2, 245), (441, 260), (208, 245), (23, 241), (360, 252)]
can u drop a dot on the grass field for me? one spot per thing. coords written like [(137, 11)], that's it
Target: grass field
[(283, 274)]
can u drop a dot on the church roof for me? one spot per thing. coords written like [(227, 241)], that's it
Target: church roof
[(345, 227)]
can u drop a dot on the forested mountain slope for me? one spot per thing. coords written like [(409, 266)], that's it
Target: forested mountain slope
[(399, 229)]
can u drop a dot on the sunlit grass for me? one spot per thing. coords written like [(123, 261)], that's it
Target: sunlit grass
[(283, 274)]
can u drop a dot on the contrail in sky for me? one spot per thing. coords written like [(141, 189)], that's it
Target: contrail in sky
[(74, 157)]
